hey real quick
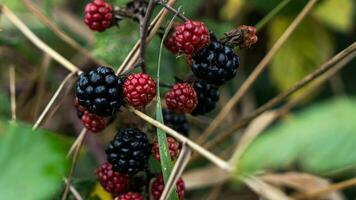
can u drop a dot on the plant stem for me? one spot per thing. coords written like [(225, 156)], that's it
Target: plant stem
[(143, 32), (173, 10), (271, 14)]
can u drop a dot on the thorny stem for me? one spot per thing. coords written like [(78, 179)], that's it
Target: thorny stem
[(143, 32), (172, 10)]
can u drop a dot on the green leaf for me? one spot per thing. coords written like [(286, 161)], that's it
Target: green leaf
[(320, 140), (306, 49), (337, 14), (32, 163), (166, 162)]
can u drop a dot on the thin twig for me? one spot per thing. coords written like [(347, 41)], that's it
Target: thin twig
[(143, 31), (177, 171), (60, 33), (77, 141), (255, 74), (173, 10), (210, 156), (12, 92), (132, 57), (334, 187), (73, 190), (53, 99), (37, 41), (271, 14), (74, 163), (333, 62)]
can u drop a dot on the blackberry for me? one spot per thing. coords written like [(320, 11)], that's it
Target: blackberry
[(128, 152), (100, 91), (176, 121), (173, 147), (158, 187), (208, 95), (216, 63), (98, 15), (181, 98), (113, 182)]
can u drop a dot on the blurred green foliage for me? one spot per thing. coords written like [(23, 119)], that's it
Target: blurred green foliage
[(320, 139), (32, 163)]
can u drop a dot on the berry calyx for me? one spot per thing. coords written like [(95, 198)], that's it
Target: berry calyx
[(158, 186), (139, 90), (98, 15), (173, 147), (128, 152), (191, 36), (216, 63), (181, 98), (100, 91), (208, 96), (93, 122), (130, 196), (176, 121), (113, 182)]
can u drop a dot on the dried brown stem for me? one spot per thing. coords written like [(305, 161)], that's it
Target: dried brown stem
[(144, 32), (12, 92), (74, 163), (60, 33), (255, 74), (318, 193), (173, 10), (73, 190), (37, 41)]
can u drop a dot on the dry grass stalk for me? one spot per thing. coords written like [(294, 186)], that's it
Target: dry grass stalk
[(37, 41), (204, 177), (57, 31), (177, 171), (78, 141), (320, 192), (53, 99), (12, 92), (73, 190), (265, 190), (255, 74), (210, 156)]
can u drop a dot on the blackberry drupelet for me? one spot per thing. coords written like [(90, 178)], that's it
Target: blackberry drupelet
[(216, 63), (128, 152), (130, 196), (100, 91), (176, 121), (208, 95)]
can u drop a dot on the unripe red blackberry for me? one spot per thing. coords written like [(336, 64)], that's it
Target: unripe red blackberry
[(216, 63), (113, 182), (129, 151), (93, 122), (191, 36), (175, 121), (173, 147), (100, 91), (98, 15), (130, 196), (181, 98), (170, 42), (158, 187), (139, 90)]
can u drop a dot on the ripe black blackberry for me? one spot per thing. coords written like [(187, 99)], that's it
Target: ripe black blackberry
[(208, 95), (216, 63), (100, 91), (176, 121), (128, 152)]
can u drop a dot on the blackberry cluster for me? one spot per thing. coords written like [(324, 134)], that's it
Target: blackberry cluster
[(208, 95), (216, 63), (176, 121), (100, 91), (128, 152)]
